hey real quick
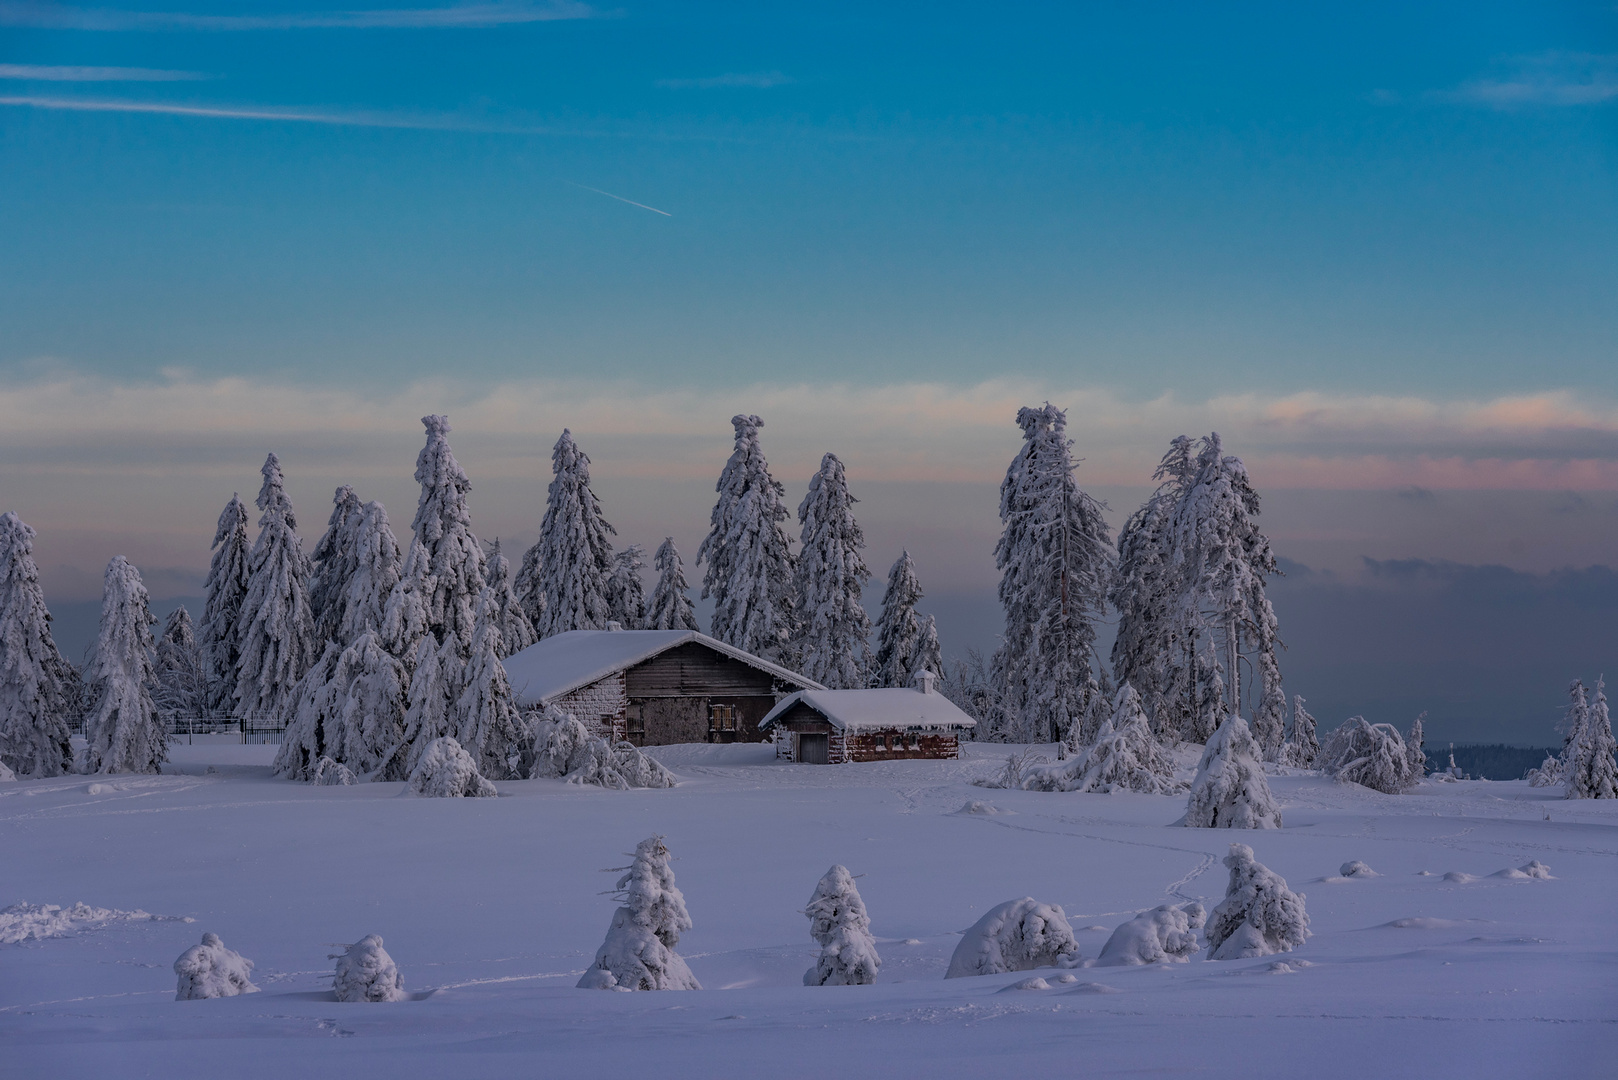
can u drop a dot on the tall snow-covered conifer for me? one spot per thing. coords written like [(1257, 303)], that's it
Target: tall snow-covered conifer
[(626, 592), (122, 730), (670, 607), (486, 718), (1302, 746), (275, 627), (180, 690), (226, 588), (516, 632), (438, 591), (900, 651), (1055, 558), (1590, 770), (38, 688), (832, 630), (748, 553), (334, 560), (377, 568), (575, 556), (529, 585)]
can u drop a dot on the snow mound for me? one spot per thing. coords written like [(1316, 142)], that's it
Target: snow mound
[(978, 806), (1421, 922), (447, 771), (1259, 914), (34, 922), (6, 775), (1035, 983), (365, 971), (1018, 935), (1280, 967), (1527, 872), (566, 750), (1460, 877), (1356, 869), (1094, 988), (1066, 978), (210, 970), (329, 773), (1165, 934)]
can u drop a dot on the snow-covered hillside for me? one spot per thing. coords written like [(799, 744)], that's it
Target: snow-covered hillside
[(1442, 964)]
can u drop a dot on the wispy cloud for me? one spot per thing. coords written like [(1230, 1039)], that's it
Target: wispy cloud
[(459, 16), (339, 118), (620, 198), (1551, 79), (757, 80), (59, 73)]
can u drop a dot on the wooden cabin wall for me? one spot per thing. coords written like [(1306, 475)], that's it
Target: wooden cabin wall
[(872, 746)]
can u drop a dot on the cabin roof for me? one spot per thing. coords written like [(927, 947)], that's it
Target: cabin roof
[(863, 710), (565, 662)]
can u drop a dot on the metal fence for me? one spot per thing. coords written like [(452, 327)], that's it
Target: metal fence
[(255, 730)]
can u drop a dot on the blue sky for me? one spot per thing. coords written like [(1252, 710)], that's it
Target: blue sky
[(1373, 244)]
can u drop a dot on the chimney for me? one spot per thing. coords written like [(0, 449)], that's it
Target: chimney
[(923, 681), (614, 624)]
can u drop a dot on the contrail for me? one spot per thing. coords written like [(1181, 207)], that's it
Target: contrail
[(620, 198)]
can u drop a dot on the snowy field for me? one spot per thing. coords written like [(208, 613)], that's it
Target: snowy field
[(493, 907)]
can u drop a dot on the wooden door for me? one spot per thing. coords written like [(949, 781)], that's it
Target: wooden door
[(814, 749)]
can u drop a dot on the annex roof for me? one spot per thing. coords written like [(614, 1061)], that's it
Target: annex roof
[(565, 662), (863, 710)]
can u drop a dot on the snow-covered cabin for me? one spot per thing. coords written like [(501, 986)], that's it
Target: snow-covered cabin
[(652, 687), (830, 727)]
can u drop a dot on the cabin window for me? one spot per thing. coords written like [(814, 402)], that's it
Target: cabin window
[(721, 719), (914, 740)]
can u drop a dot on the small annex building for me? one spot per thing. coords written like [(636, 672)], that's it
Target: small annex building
[(652, 687), (831, 727)]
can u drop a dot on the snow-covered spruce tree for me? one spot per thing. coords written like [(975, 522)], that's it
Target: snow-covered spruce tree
[(1055, 559), (445, 771), (626, 592), (1301, 748), (349, 710), (210, 970), (488, 725), (1222, 561), (122, 729), (899, 629), (1554, 769), (529, 585), (670, 607), (376, 572), (1415, 751), (334, 561), (1259, 914), (226, 588), (831, 629), (575, 552), (1125, 756), (1018, 935), (38, 689), (929, 654), (638, 953), (1151, 650), (564, 749), (838, 922), (437, 594), (365, 972), (180, 690), (1372, 755), (1591, 771), (748, 553), (516, 632), (1230, 791), (276, 628)]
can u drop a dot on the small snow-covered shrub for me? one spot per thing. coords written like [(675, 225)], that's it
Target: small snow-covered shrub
[(365, 972), (638, 953), (1301, 747), (1165, 934), (837, 920), (1018, 770), (329, 773), (1230, 791), (1018, 935), (1125, 756), (565, 749), (1371, 755), (447, 771), (1259, 914), (1355, 868), (210, 970)]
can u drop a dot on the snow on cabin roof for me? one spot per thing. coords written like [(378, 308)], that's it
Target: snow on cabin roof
[(862, 710), (565, 662)]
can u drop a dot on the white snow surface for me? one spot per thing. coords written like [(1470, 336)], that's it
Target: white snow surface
[(865, 710), (576, 658), (494, 907)]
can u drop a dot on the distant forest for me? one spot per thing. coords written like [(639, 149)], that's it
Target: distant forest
[(1493, 762)]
